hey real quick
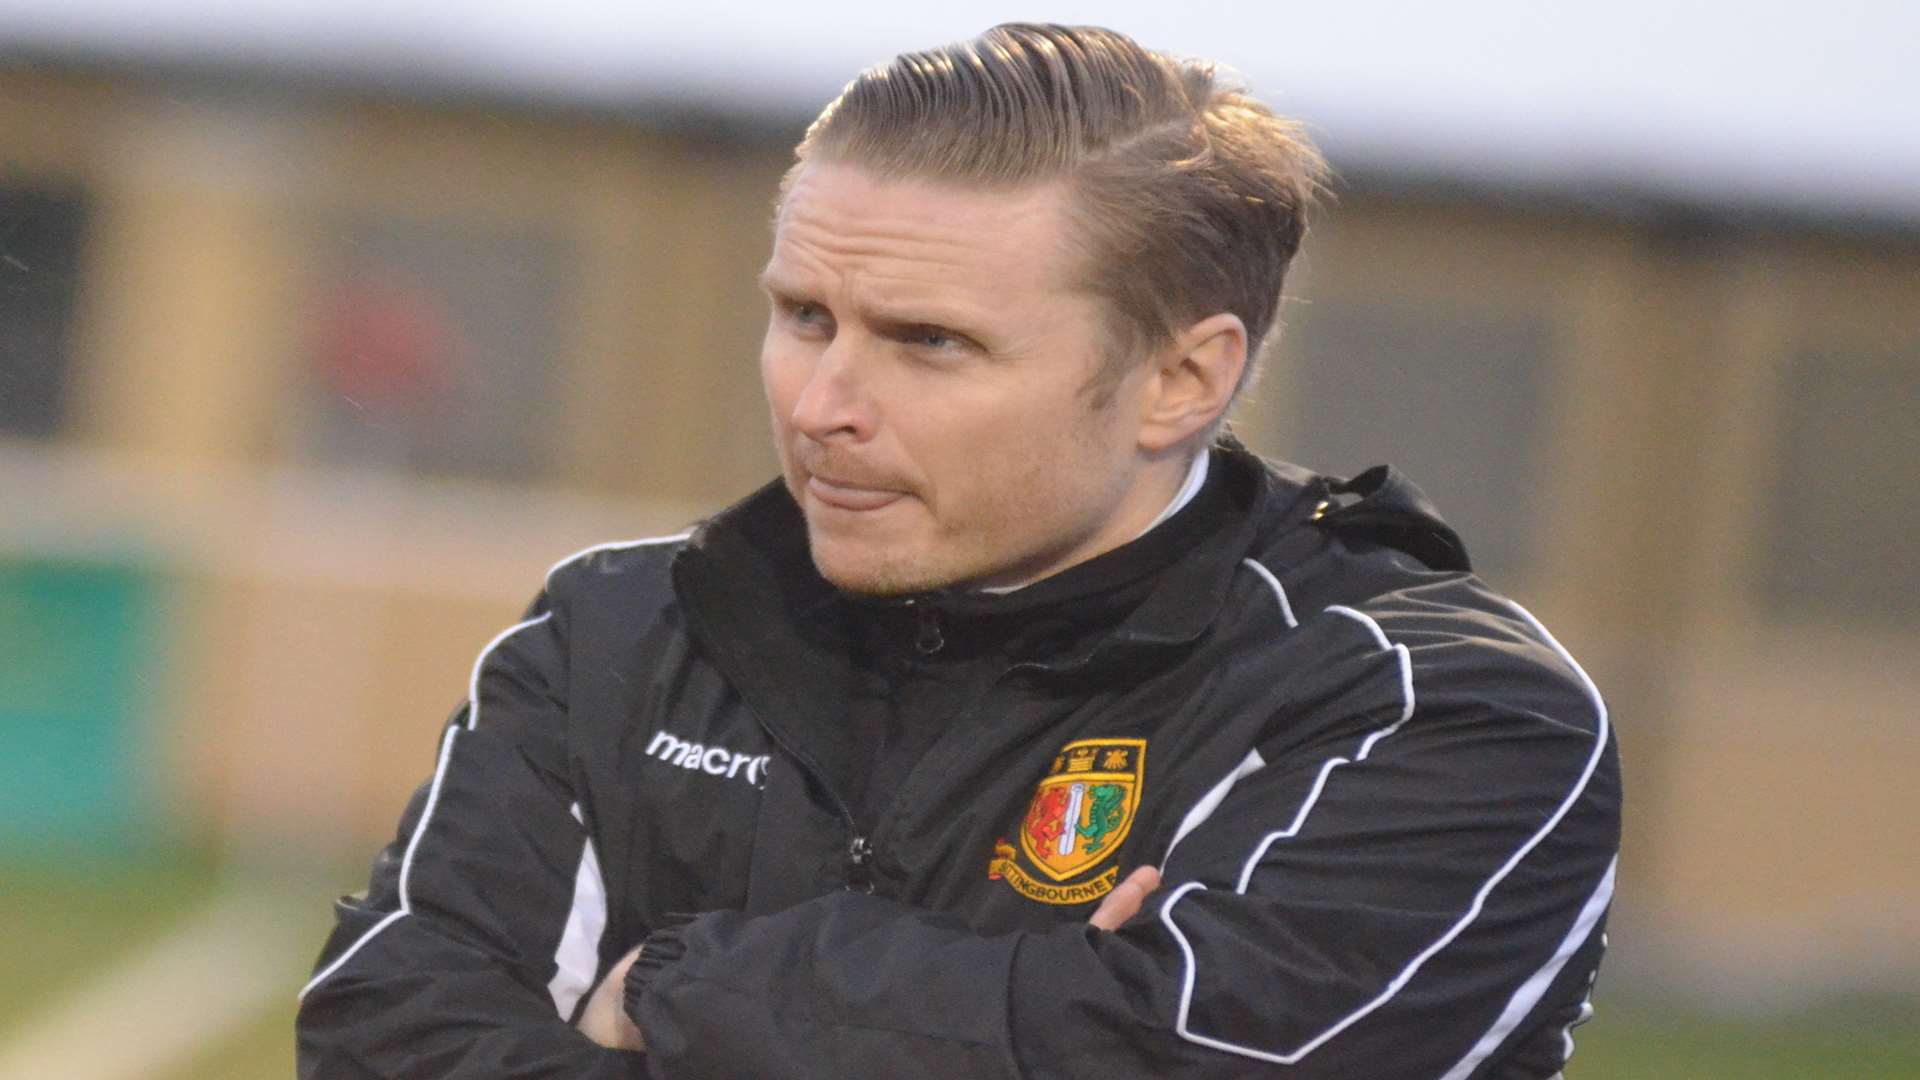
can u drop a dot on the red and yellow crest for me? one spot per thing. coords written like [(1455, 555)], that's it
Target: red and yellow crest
[(1078, 817)]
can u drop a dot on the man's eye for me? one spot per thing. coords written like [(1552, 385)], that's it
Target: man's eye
[(932, 338), (806, 314)]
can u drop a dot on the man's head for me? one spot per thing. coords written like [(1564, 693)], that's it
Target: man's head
[(1016, 283), (1188, 196)]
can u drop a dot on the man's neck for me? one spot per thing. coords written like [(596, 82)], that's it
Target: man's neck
[(1196, 478)]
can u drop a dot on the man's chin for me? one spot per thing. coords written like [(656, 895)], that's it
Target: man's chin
[(877, 574), (875, 582)]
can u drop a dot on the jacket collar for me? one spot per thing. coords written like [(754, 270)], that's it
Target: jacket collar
[(783, 636), (762, 611)]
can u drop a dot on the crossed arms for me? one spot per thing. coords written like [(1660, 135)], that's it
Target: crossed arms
[(1421, 894)]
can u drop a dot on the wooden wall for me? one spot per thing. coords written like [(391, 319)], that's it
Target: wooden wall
[(1621, 390)]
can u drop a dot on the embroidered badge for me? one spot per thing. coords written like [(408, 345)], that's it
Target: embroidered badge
[(1079, 816)]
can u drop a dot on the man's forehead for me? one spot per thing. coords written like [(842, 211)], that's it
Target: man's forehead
[(837, 217)]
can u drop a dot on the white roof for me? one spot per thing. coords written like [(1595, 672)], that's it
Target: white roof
[(1794, 106)]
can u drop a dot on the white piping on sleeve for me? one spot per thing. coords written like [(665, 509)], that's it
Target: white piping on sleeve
[(1211, 801), (615, 545), (406, 865), (1530, 992), (576, 960), (446, 753), (473, 682), (1253, 762), (1280, 594), (1293, 827), (1366, 620), (1190, 967), (1566, 1033), (1366, 746), (1406, 974)]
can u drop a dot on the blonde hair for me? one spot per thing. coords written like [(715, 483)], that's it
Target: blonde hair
[(1190, 197)]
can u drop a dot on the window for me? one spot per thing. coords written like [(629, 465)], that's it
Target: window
[(41, 230), (434, 346), (1451, 399), (1842, 521)]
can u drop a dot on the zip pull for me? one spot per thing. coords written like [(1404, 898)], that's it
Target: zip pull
[(927, 638), (859, 864)]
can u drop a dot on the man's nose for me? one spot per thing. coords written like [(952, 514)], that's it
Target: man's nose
[(836, 402)]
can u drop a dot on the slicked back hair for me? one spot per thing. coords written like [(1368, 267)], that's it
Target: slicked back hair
[(1189, 197)]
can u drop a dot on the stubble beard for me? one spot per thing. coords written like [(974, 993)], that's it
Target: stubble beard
[(882, 579), (869, 568), (996, 542)]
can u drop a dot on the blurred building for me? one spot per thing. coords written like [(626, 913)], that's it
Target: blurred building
[(303, 385)]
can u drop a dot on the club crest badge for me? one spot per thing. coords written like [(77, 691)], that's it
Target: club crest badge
[(1077, 819)]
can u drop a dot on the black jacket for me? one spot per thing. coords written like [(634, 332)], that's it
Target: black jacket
[(1384, 800)]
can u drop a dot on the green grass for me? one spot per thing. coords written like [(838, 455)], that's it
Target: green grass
[(1835, 1043), (66, 921), (1621, 1044), (263, 1048)]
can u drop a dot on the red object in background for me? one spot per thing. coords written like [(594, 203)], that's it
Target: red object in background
[(387, 344)]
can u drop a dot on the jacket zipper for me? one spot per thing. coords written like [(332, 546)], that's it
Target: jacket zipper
[(858, 860), (929, 639), (860, 864)]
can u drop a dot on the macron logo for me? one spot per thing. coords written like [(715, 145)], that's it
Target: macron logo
[(712, 760)]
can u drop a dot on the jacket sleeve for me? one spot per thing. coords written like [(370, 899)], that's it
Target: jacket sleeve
[(1418, 893), (479, 934)]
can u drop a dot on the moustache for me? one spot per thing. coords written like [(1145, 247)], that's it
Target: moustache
[(843, 471)]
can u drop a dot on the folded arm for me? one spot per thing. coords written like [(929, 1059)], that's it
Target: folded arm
[(479, 933), (1420, 895)]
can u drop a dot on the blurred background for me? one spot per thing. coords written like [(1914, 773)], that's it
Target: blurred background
[(326, 327)]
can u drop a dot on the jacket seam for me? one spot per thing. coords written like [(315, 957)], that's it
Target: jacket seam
[(1474, 909), (406, 867), (405, 906), (831, 1022)]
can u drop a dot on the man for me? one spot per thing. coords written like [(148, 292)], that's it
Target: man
[(1027, 726)]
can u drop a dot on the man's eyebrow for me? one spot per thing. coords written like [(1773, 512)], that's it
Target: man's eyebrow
[(775, 284), (916, 321), (905, 316)]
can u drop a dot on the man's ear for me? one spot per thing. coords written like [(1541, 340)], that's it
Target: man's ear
[(1193, 381)]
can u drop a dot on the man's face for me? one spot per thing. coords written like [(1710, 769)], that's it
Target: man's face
[(926, 360)]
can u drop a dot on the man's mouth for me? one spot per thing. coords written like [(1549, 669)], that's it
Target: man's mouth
[(845, 496)]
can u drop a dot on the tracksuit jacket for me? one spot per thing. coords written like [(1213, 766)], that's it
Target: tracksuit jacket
[(1384, 801)]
